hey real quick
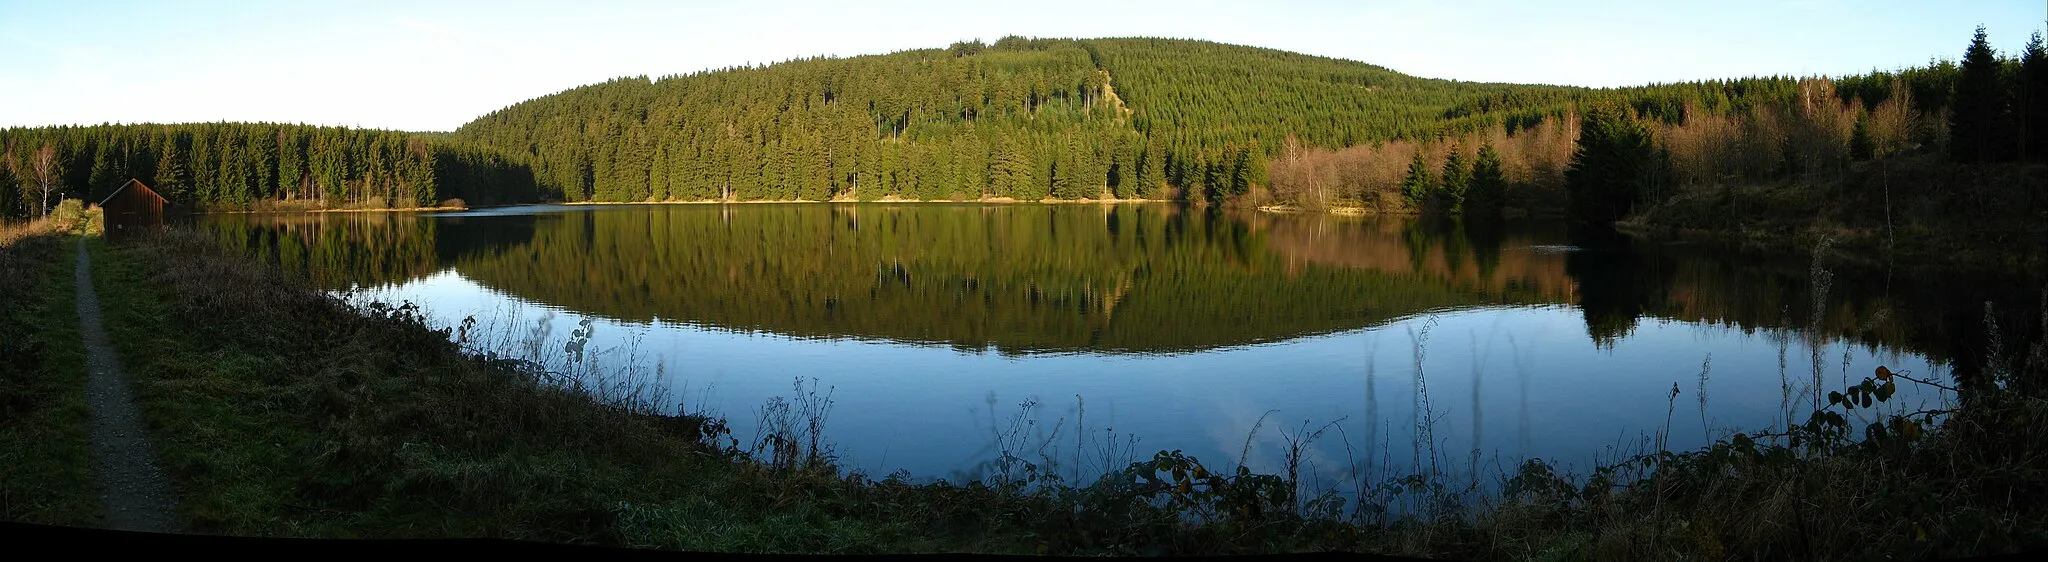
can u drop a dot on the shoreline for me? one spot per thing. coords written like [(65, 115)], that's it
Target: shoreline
[(984, 200), (1346, 211), (991, 200), (387, 210)]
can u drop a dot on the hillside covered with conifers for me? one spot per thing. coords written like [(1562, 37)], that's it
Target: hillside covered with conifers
[(1034, 119), (1023, 118)]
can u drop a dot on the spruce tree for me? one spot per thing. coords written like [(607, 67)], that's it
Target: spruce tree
[(1241, 170), (1489, 184), (1416, 188), (172, 181), (2033, 100), (1975, 114), (1616, 158), (11, 202), (104, 176), (1457, 178), (1861, 147)]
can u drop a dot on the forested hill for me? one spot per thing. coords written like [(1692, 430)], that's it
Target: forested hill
[(1022, 118)]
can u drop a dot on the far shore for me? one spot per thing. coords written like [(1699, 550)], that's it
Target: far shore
[(1336, 210), (344, 210), (997, 200), (1339, 211), (986, 200)]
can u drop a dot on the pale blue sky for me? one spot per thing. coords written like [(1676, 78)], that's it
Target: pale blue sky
[(433, 65)]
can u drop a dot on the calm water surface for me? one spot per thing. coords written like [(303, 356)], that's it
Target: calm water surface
[(946, 333)]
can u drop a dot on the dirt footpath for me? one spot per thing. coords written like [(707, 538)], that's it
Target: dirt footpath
[(134, 494)]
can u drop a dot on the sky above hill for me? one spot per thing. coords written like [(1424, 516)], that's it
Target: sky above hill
[(434, 65)]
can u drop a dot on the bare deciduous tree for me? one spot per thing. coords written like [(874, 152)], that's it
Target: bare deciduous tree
[(43, 171)]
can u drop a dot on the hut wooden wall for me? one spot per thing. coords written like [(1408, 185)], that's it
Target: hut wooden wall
[(134, 208)]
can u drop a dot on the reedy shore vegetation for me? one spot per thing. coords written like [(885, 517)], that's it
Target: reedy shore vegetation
[(284, 410)]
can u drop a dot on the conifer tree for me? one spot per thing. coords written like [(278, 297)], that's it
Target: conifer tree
[(104, 175), (172, 181), (1418, 185), (2032, 100), (1861, 146), (1457, 178), (1978, 108), (1489, 184), (1615, 160), (10, 193)]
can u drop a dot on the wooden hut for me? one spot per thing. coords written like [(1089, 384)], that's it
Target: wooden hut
[(131, 208)]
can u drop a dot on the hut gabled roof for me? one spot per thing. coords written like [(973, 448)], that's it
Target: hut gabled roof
[(124, 187)]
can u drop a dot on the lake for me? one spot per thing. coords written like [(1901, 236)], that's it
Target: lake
[(1093, 335)]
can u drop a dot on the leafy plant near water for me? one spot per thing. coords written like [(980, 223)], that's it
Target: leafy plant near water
[(790, 433)]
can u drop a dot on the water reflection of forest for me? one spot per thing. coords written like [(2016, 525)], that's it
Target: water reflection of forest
[(1125, 278)]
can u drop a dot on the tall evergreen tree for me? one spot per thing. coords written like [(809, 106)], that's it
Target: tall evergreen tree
[(1861, 146), (1419, 184), (172, 181), (1457, 178), (1615, 160), (1489, 184), (1248, 170), (2033, 100), (104, 177), (1151, 168), (10, 192), (1978, 109)]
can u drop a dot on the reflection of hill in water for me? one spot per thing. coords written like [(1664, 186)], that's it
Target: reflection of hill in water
[(1126, 278), (1487, 261), (1016, 278)]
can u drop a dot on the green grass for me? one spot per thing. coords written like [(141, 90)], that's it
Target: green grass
[(46, 473), (319, 426)]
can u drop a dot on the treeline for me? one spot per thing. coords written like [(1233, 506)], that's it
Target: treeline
[(1610, 151), (1706, 132), (1987, 109), (244, 165)]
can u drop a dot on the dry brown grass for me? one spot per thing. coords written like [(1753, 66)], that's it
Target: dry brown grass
[(70, 216), (11, 233)]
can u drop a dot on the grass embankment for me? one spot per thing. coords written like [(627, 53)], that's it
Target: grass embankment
[(46, 471), (1918, 209), (284, 411)]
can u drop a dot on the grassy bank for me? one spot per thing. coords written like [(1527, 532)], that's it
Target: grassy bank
[(1919, 208), (45, 462), (284, 411)]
